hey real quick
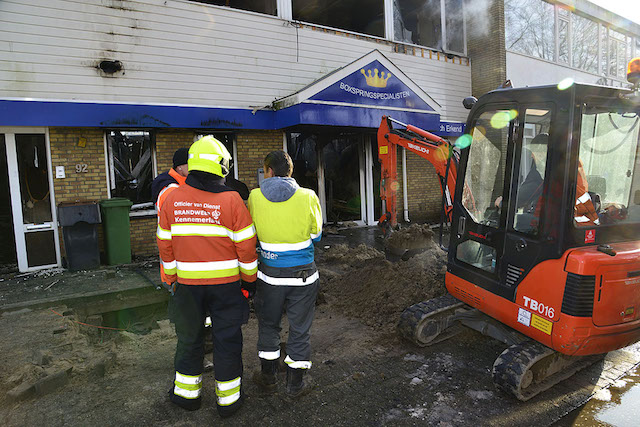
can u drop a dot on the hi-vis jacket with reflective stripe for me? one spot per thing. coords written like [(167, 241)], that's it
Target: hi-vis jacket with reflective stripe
[(206, 238), (171, 184), (171, 180), (286, 229)]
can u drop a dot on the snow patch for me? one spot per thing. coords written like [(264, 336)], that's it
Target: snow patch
[(414, 358), (619, 384), (603, 394)]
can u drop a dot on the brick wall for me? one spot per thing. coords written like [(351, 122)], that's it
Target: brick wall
[(486, 48), (423, 190), (424, 193), (92, 184), (88, 186), (252, 148), (143, 236), (65, 151), (167, 142)]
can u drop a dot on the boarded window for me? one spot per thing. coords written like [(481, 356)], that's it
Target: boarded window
[(359, 16), (260, 6)]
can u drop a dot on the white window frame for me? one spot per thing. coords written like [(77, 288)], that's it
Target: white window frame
[(20, 229), (234, 146)]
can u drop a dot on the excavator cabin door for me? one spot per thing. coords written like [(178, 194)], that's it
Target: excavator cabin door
[(500, 205)]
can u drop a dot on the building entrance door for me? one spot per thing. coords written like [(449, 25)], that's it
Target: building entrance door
[(8, 258), (342, 169), (35, 229)]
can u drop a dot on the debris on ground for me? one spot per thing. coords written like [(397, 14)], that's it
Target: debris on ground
[(362, 283), (412, 238)]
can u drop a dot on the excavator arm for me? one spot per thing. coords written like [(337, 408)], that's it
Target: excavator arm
[(438, 151)]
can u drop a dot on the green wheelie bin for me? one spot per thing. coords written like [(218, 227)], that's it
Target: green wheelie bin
[(115, 224)]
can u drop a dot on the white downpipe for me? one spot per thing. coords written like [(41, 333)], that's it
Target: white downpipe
[(405, 197)]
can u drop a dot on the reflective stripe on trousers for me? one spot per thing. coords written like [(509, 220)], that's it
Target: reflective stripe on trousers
[(187, 386), (228, 392)]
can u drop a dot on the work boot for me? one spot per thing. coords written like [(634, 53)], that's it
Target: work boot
[(267, 377), (227, 411), (188, 404), (297, 385)]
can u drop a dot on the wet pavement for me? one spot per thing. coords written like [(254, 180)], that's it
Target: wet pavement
[(616, 406)]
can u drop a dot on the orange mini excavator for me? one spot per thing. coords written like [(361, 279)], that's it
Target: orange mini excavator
[(544, 248)]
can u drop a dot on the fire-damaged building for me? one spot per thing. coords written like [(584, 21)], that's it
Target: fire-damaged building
[(95, 97)]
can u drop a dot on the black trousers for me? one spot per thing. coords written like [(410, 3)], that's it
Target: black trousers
[(228, 309)]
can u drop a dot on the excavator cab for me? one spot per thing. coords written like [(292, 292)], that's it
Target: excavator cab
[(549, 171), (544, 252)]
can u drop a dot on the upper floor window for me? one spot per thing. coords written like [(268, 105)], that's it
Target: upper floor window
[(584, 43), (543, 30), (359, 16), (421, 22), (530, 28), (261, 6), (437, 24)]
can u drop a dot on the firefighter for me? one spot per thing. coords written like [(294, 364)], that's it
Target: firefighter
[(207, 243), (166, 182), (288, 220)]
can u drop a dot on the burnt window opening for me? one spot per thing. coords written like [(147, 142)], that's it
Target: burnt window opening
[(268, 7), (418, 22), (359, 16), (228, 139), (131, 157)]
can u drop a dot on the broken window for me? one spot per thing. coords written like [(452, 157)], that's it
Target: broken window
[(359, 16), (229, 141), (302, 149), (418, 22), (529, 28), (454, 25), (260, 6), (131, 159)]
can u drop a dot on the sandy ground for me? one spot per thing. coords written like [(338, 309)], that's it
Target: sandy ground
[(364, 374)]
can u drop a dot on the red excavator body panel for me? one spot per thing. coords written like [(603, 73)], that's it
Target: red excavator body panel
[(581, 304)]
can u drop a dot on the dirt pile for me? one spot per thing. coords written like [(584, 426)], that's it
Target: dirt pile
[(416, 236), (361, 283)]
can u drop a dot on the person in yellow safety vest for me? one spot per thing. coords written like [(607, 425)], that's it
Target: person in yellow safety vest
[(288, 221), (207, 243)]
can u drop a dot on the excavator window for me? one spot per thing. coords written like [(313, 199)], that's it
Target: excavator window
[(484, 176), (608, 177), (531, 171)]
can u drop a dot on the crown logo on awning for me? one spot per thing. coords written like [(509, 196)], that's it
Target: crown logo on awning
[(374, 80)]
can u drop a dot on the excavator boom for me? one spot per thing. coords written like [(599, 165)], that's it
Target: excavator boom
[(438, 151)]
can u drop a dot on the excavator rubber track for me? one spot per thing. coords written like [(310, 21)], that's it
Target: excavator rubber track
[(429, 322), (528, 368)]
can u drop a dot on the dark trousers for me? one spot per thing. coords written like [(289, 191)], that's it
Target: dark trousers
[(299, 303), (228, 309)]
